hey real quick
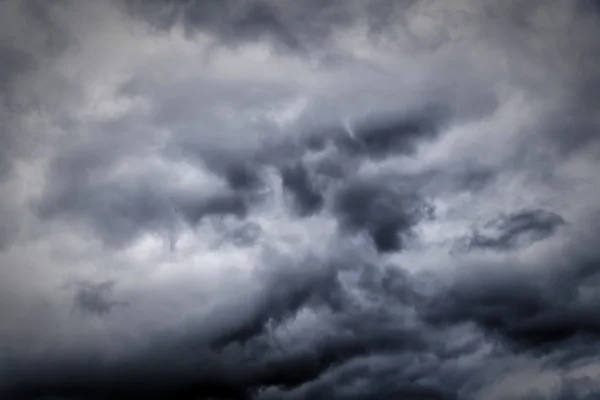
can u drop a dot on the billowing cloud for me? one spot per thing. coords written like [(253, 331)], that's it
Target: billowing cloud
[(299, 200)]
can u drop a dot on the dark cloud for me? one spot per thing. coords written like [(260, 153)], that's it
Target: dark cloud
[(20, 58), (240, 360), (14, 62), (243, 176), (288, 26), (349, 290), (259, 19), (80, 189), (306, 29), (195, 210), (372, 348), (246, 235), (383, 135), (577, 388), (529, 309), (94, 298), (306, 196), (516, 230), (385, 210), (121, 213)]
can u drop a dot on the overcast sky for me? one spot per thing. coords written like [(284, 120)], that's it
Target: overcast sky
[(278, 199)]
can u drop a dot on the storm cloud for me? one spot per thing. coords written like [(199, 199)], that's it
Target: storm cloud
[(299, 200)]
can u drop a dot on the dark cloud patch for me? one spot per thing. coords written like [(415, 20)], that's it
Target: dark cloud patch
[(380, 135), (516, 230), (454, 179), (287, 26), (587, 6), (335, 168), (232, 22), (14, 63), (95, 298), (349, 384), (580, 122), (81, 187), (475, 179), (237, 355), (384, 210), (9, 225), (184, 366), (299, 28), (297, 181), (6, 233), (42, 13), (243, 176), (584, 388), (118, 212), (528, 309), (245, 235), (318, 140), (285, 291), (194, 210), (77, 379), (384, 353), (373, 344), (383, 135), (261, 19), (80, 190)]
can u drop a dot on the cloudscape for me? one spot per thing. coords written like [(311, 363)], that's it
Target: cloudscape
[(316, 199)]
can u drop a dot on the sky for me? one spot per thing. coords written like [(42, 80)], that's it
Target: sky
[(317, 199)]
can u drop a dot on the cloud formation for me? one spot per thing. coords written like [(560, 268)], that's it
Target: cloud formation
[(299, 200)]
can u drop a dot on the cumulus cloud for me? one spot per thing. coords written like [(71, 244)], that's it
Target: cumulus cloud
[(291, 200)]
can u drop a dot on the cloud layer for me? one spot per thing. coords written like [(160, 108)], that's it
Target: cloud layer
[(299, 200)]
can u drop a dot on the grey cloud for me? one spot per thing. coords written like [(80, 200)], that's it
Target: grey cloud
[(516, 230), (244, 235), (234, 22), (119, 213), (219, 205), (248, 360), (14, 62), (241, 169), (9, 225), (385, 210), (306, 197), (21, 57), (80, 189), (347, 383), (382, 136), (528, 309), (305, 29), (348, 291), (242, 176), (581, 388), (94, 298)]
